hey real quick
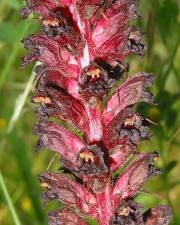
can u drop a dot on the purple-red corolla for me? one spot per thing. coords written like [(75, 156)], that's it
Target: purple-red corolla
[(81, 52)]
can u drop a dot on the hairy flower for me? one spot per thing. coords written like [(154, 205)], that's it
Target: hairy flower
[(81, 52)]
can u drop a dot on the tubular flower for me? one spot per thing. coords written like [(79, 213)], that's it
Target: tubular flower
[(81, 49)]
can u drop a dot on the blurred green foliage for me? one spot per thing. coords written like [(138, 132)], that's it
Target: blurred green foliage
[(19, 165)]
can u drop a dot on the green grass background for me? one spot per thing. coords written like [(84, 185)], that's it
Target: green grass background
[(19, 165)]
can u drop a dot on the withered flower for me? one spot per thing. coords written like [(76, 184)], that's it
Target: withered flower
[(81, 49)]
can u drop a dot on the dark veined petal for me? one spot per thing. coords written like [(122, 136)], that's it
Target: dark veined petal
[(63, 189), (128, 94), (135, 175), (51, 53), (57, 79), (44, 8), (64, 217), (119, 155), (110, 135), (64, 107), (60, 140), (158, 215), (111, 38), (38, 6)]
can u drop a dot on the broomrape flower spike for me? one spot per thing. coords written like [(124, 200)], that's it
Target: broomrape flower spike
[(81, 50)]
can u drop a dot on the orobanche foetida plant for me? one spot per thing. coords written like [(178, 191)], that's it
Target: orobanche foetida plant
[(81, 52)]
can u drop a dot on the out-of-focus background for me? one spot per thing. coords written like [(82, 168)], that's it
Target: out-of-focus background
[(19, 164)]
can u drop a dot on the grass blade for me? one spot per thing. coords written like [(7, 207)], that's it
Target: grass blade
[(9, 201), (20, 103)]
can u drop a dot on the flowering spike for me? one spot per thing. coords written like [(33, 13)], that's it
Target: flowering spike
[(81, 49)]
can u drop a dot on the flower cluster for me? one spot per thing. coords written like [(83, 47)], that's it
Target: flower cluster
[(81, 49)]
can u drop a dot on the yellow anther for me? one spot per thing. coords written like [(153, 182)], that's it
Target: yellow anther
[(129, 122), (94, 72), (87, 156), (45, 185), (42, 99), (155, 158), (134, 35), (52, 22)]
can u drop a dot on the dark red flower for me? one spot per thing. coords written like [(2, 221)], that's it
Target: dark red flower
[(81, 52)]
